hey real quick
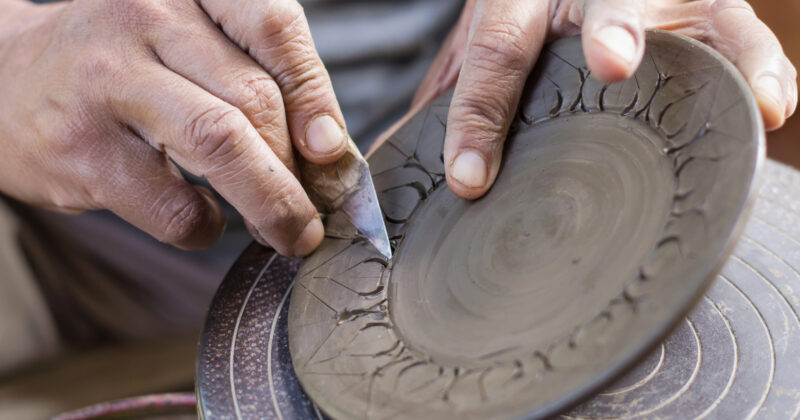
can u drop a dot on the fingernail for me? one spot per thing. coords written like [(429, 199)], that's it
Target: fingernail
[(469, 169), (770, 87), (619, 41), (324, 135), (310, 239)]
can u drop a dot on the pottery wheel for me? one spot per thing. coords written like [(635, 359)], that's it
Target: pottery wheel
[(615, 205), (735, 356)]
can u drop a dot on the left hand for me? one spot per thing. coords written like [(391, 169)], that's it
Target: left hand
[(495, 44)]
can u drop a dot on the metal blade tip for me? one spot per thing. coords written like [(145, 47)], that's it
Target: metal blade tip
[(365, 214)]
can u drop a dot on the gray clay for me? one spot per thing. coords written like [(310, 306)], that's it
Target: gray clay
[(736, 355), (615, 207)]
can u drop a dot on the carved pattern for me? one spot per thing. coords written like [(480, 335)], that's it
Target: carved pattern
[(741, 339), (745, 345), (345, 347)]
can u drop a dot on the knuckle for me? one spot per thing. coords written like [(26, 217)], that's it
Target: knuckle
[(305, 89), (500, 47), (285, 34), (482, 115), (96, 65), (215, 132), (69, 139), (282, 203), (142, 12), (77, 137), (260, 98), (284, 207), (292, 13), (182, 218), (72, 151), (279, 22), (308, 88)]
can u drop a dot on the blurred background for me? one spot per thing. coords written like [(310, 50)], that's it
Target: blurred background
[(784, 17), (169, 365)]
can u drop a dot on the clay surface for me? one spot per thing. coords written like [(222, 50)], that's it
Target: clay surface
[(578, 195), (735, 356), (615, 206)]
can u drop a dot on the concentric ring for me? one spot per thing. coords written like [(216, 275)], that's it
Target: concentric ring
[(750, 309), (748, 332)]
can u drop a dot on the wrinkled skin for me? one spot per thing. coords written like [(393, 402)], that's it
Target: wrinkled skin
[(99, 95), (495, 44)]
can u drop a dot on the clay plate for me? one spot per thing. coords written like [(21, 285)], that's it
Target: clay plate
[(613, 211), (736, 355)]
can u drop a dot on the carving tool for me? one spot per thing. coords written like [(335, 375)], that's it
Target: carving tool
[(347, 185)]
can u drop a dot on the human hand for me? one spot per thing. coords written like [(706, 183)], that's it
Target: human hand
[(498, 42), (98, 94)]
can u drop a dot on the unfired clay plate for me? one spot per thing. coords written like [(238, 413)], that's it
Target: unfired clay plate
[(615, 207)]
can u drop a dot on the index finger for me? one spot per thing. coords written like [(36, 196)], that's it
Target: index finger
[(277, 36), (213, 139)]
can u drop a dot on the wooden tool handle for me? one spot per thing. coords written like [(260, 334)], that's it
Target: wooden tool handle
[(328, 186)]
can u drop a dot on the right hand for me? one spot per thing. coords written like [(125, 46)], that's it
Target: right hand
[(98, 94), (495, 44)]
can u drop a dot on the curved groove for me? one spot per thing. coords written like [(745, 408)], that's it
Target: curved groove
[(428, 383), (389, 350), (556, 109), (678, 131), (601, 98), (231, 371), (782, 261), (774, 287), (735, 369), (627, 110), (370, 293), (769, 334), (691, 379), (642, 381), (766, 280), (416, 164), (278, 310), (686, 94), (316, 411), (777, 230), (409, 367)]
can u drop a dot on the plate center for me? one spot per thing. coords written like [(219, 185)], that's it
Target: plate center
[(580, 201)]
